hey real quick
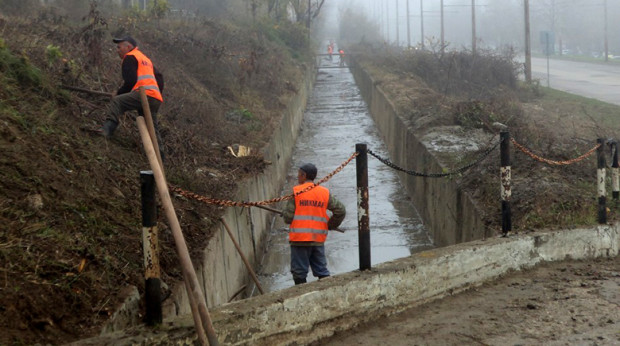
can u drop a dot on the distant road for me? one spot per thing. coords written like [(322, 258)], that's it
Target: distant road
[(598, 81)]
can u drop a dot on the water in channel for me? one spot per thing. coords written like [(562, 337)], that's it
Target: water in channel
[(335, 120)]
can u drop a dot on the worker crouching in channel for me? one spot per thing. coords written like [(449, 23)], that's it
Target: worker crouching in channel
[(137, 71), (309, 224)]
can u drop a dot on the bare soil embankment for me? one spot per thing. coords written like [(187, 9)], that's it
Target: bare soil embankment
[(70, 201)]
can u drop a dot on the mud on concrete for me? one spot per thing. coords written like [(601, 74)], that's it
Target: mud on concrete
[(556, 303)]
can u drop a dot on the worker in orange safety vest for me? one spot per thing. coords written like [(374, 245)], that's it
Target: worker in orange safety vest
[(341, 52), (137, 70), (309, 224)]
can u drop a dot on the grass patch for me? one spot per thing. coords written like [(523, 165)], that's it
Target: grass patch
[(603, 113)]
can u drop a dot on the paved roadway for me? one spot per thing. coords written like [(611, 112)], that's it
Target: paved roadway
[(599, 81)]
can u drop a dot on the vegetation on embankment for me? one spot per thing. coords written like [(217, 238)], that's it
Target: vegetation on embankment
[(70, 200), (435, 90)]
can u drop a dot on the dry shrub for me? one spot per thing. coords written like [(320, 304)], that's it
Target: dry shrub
[(459, 73)]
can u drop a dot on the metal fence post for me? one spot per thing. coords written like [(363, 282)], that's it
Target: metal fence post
[(615, 174), (361, 164), (150, 246), (505, 181), (600, 178)]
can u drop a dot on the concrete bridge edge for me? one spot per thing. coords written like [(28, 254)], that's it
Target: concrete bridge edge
[(311, 312)]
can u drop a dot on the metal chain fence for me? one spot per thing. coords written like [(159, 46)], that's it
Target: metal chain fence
[(552, 162), (229, 203), (460, 170)]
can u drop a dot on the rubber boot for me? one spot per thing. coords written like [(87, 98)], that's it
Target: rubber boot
[(323, 276), (299, 281), (108, 128)]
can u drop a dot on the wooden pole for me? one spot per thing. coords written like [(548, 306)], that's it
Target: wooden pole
[(237, 293), (189, 274), (94, 92), (528, 48), (387, 20), (397, 27), (245, 260), (422, 23), (270, 209), (150, 125), (473, 27), (408, 27), (606, 39), (442, 34)]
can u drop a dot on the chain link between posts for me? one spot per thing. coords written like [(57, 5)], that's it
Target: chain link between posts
[(229, 203), (552, 162), (460, 170)]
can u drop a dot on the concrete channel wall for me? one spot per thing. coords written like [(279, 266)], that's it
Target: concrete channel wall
[(308, 313), (222, 272), (448, 212)]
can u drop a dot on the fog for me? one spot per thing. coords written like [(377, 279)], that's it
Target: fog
[(574, 27)]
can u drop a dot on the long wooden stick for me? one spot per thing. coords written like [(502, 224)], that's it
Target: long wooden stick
[(150, 125), (189, 274), (245, 260), (94, 92), (270, 209)]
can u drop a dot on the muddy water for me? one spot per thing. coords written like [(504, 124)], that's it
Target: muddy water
[(335, 120)]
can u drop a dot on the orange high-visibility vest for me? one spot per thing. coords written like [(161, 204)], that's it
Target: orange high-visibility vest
[(310, 220), (146, 75)]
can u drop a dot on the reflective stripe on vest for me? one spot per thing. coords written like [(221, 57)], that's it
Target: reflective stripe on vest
[(310, 219), (146, 75)]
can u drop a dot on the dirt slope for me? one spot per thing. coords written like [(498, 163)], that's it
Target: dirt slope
[(69, 200)]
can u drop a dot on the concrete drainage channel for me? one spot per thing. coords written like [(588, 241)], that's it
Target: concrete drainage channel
[(310, 312)]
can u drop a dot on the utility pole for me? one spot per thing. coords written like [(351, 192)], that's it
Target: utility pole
[(528, 50), (308, 20), (422, 22), (397, 26), (442, 27), (408, 28), (606, 41), (554, 29), (380, 8), (387, 20), (473, 27)]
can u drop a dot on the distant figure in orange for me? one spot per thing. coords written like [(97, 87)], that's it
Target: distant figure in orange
[(330, 51), (341, 52)]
